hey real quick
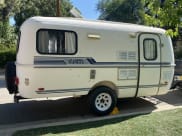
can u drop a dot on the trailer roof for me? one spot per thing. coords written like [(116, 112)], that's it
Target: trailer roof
[(93, 24)]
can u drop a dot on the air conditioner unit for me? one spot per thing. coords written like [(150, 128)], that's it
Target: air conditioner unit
[(76, 13)]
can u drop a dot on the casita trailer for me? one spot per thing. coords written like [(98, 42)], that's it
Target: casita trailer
[(104, 60)]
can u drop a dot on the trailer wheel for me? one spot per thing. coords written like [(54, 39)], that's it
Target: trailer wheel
[(102, 100), (10, 75)]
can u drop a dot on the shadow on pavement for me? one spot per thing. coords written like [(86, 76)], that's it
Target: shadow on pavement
[(32, 110), (134, 104), (173, 97), (62, 109)]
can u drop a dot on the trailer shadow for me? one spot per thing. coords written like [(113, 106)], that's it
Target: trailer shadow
[(37, 110), (63, 109), (174, 97), (129, 105)]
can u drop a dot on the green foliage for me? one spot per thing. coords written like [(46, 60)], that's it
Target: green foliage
[(29, 8), (160, 13), (21, 10), (7, 54), (130, 11), (7, 9), (178, 54), (7, 35), (165, 14)]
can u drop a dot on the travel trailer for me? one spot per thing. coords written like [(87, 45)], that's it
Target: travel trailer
[(59, 57)]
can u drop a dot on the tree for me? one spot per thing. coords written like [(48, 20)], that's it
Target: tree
[(23, 9), (130, 11), (164, 13), (29, 8), (7, 36), (7, 8)]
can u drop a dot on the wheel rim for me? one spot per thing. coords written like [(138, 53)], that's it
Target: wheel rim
[(103, 101)]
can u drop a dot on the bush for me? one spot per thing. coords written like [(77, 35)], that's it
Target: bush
[(178, 54), (8, 54)]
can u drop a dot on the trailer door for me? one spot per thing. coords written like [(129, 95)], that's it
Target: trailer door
[(150, 57)]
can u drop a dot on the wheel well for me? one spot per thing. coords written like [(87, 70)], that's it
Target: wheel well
[(106, 84)]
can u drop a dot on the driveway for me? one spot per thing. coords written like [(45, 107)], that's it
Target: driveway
[(70, 109)]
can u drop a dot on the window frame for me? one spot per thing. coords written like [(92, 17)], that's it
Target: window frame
[(56, 30), (144, 53)]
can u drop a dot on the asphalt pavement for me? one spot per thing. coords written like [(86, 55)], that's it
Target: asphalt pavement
[(71, 110)]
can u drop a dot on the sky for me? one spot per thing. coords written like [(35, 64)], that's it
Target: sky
[(88, 8)]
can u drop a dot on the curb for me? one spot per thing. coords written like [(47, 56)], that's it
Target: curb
[(7, 130)]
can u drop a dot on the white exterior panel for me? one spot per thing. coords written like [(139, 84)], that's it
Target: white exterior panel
[(109, 49)]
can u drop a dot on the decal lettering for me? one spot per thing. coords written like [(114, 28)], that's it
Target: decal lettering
[(76, 61)]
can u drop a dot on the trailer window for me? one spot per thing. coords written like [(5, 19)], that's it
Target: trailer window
[(56, 42), (150, 49)]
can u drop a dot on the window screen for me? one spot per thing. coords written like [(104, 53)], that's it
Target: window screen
[(150, 49), (56, 42)]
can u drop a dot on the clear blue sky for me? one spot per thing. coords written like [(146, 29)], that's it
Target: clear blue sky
[(88, 8)]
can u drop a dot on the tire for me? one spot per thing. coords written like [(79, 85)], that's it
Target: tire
[(102, 100), (10, 75)]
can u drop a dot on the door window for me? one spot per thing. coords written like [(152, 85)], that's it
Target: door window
[(150, 49)]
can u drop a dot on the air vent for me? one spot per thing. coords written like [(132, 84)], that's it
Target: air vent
[(123, 55), (127, 74), (131, 55), (126, 55)]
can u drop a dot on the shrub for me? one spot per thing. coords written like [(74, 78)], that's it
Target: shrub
[(8, 54), (178, 54)]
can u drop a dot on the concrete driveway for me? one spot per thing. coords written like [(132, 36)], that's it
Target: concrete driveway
[(47, 111)]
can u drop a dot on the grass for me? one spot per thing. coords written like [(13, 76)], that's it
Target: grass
[(166, 123)]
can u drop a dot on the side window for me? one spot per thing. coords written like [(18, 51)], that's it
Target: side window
[(56, 42), (150, 49)]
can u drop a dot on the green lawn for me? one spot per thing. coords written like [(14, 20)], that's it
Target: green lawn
[(166, 123)]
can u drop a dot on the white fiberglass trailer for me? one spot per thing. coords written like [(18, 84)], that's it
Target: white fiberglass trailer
[(104, 60)]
